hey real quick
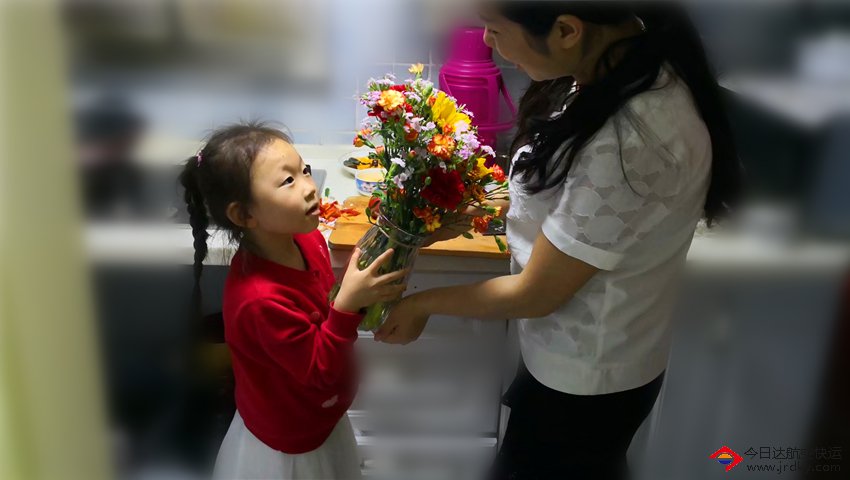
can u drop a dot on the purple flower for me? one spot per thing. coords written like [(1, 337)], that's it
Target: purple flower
[(469, 139), (415, 123), (402, 177), (465, 152)]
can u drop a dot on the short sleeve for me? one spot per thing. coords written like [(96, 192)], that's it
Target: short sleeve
[(607, 205)]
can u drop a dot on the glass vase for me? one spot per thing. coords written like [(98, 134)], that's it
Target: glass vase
[(382, 236)]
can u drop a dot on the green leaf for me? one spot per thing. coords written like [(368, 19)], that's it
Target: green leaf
[(467, 235), (502, 247)]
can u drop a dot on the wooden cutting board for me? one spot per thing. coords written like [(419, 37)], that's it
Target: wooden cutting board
[(349, 230)]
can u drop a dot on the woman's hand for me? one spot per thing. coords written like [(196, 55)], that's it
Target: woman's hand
[(361, 288), (404, 324), (503, 205)]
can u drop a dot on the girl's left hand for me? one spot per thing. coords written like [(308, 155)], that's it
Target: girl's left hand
[(404, 324)]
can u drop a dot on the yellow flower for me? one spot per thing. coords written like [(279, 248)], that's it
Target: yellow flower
[(478, 193), (445, 113), (481, 169), (416, 69), (391, 99)]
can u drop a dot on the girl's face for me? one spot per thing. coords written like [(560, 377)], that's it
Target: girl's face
[(284, 197), (556, 55)]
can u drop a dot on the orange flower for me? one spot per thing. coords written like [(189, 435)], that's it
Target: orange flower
[(391, 100), (362, 135), (442, 146), (481, 224), (432, 220)]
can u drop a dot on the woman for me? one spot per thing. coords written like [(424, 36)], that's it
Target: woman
[(622, 146)]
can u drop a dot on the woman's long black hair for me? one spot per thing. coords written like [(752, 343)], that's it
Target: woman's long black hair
[(669, 37)]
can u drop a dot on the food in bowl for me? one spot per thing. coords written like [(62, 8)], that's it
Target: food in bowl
[(368, 180), (360, 163)]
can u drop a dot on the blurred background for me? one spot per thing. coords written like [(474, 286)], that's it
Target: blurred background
[(128, 89)]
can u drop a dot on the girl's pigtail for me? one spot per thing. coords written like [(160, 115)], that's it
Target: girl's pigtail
[(199, 221)]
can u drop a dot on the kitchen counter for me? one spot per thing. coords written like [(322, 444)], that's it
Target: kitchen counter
[(133, 243)]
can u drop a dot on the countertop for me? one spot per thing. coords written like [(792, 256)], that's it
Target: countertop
[(147, 244)]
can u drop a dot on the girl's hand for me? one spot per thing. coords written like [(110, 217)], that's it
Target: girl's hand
[(404, 324), (361, 288)]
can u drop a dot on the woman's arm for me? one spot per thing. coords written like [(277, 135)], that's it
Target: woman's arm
[(549, 280)]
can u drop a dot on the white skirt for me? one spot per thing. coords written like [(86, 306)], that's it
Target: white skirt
[(243, 456)]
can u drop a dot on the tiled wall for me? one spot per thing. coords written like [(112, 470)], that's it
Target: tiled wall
[(368, 38)]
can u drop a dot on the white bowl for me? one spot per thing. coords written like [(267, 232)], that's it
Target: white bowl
[(365, 185)]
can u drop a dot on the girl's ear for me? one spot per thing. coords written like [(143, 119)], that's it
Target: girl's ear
[(567, 31), (239, 215)]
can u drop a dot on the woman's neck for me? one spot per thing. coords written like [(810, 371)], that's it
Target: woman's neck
[(591, 70), (278, 248)]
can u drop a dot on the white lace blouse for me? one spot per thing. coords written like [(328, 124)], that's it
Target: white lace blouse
[(614, 334)]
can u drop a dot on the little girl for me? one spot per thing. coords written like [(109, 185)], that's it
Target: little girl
[(292, 353)]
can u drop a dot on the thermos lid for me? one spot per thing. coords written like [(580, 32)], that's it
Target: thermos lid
[(468, 45)]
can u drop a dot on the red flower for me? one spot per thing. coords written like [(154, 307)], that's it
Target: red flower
[(409, 133), (374, 206), (399, 88), (446, 189), (481, 224), (498, 173)]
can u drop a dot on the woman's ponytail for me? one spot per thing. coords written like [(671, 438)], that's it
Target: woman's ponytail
[(671, 33), (199, 221)]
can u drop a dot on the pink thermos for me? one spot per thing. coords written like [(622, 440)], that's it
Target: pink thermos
[(471, 76)]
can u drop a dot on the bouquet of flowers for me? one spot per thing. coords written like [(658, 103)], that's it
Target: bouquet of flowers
[(435, 170)]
